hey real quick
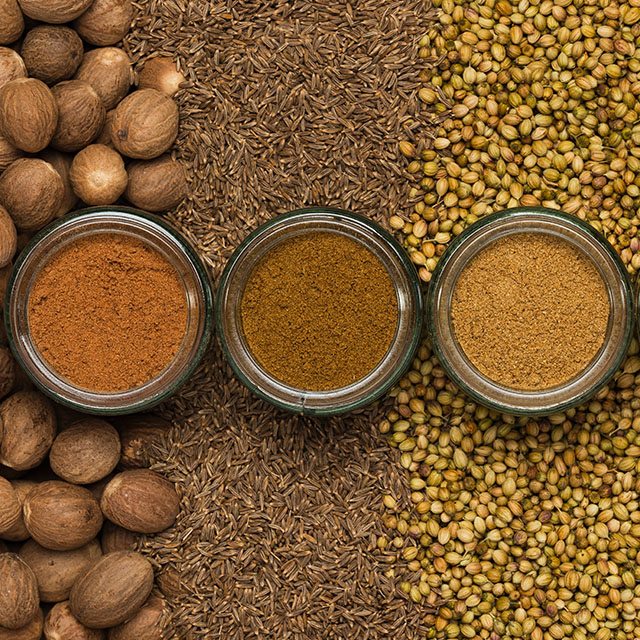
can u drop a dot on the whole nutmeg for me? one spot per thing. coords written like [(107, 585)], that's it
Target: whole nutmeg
[(81, 115), (19, 533), (9, 153), (113, 590), (145, 124), (57, 571), (61, 162), (98, 175), (28, 425), (52, 53), (19, 600), (138, 434), (61, 624), (105, 22), (160, 74), (115, 538), (31, 631), (156, 185), (108, 70), (141, 500), (8, 244), (145, 625), (85, 452), (12, 23), (31, 191), (54, 11), (61, 516), (28, 114), (11, 65), (10, 507)]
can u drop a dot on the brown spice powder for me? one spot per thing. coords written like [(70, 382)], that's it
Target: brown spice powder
[(319, 311), (530, 311), (108, 312)]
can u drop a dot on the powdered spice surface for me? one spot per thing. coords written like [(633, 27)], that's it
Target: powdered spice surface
[(108, 312), (319, 311), (530, 311)]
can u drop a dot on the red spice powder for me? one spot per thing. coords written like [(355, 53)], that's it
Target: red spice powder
[(108, 312)]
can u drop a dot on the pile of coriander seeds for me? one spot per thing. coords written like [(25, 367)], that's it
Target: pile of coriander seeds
[(527, 528)]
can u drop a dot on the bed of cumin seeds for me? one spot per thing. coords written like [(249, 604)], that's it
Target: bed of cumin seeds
[(287, 104), (278, 530)]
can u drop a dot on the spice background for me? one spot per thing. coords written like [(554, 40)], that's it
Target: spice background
[(494, 526)]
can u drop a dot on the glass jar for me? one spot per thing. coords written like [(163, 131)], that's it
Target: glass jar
[(591, 244), (159, 235), (407, 288)]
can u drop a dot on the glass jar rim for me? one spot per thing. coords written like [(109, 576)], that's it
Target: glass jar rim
[(466, 376), (129, 401), (252, 376)]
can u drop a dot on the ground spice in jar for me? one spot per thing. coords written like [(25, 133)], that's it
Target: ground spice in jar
[(107, 312), (319, 311), (530, 311)]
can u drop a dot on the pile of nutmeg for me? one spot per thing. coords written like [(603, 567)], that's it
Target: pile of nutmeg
[(71, 130), (74, 492)]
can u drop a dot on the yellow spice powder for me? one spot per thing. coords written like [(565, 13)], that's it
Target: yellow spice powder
[(530, 311)]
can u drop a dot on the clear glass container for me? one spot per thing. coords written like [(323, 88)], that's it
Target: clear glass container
[(618, 333), (158, 234), (410, 311)]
